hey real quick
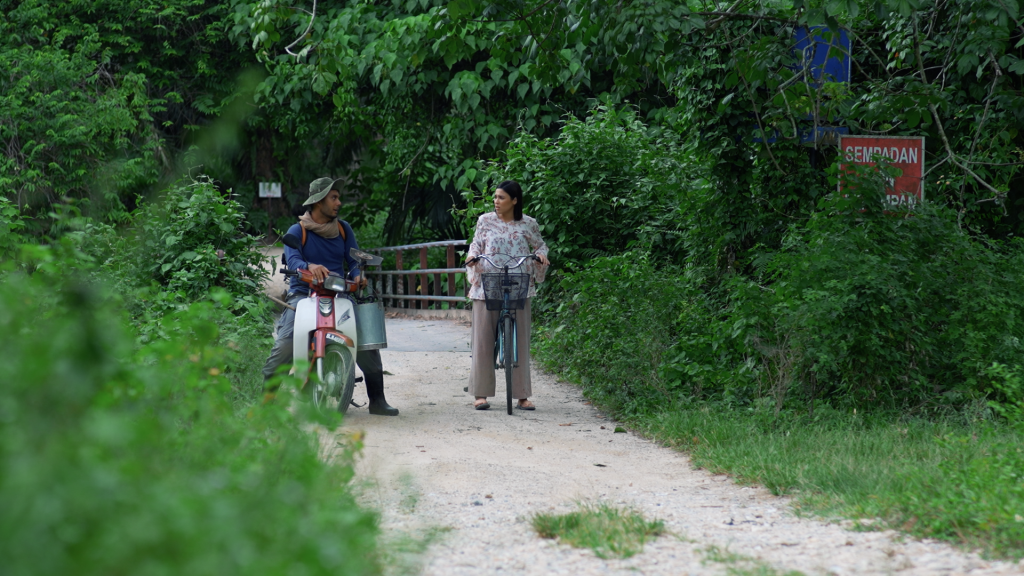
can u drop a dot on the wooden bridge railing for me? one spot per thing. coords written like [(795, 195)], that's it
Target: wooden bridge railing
[(421, 288)]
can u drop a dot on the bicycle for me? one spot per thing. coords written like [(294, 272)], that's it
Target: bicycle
[(505, 291)]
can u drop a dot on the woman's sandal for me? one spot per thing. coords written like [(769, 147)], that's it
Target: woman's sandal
[(529, 406), (481, 405)]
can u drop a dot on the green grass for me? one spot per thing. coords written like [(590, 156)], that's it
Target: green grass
[(608, 530), (949, 480), (957, 476), (739, 565)]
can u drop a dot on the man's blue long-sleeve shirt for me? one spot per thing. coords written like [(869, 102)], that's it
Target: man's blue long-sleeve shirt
[(329, 252)]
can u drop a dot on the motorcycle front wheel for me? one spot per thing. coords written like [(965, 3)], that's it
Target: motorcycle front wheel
[(336, 378)]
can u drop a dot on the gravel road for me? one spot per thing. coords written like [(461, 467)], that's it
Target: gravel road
[(456, 486)]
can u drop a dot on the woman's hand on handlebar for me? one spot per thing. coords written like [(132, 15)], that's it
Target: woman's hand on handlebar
[(543, 259), (473, 261)]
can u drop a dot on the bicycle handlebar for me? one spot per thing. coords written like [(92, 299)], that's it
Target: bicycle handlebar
[(518, 263)]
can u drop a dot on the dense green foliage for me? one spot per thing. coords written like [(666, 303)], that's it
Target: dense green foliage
[(632, 307), (121, 459), (189, 241), (441, 85), (857, 306), (905, 318), (132, 434), (99, 97), (703, 258), (866, 308), (407, 97), (601, 184), (10, 227)]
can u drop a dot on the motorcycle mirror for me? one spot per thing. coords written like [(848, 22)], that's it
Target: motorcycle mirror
[(292, 241), (365, 257)]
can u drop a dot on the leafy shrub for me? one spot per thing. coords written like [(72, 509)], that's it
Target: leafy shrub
[(868, 307), (612, 326), (602, 186), (10, 225), (120, 459), (1008, 389), (192, 240), (68, 119), (862, 307)]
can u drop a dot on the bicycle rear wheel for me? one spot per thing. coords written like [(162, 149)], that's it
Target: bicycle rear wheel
[(509, 354)]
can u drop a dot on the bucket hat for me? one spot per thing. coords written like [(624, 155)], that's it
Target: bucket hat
[(319, 188)]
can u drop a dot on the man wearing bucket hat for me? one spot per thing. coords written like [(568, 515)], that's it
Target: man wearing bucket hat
[(327, 241)]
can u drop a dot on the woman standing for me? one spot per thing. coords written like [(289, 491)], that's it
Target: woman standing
[(504, 231)]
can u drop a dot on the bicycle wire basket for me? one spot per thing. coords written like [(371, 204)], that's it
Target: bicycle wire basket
[(495, 285)]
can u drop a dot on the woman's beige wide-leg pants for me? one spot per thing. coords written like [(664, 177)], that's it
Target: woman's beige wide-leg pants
[(481, 372)]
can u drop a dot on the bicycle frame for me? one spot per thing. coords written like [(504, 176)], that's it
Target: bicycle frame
[(499, 349)]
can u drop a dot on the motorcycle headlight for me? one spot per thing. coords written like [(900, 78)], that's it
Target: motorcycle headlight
[(335, 283)]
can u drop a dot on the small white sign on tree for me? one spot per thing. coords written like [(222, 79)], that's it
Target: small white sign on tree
[(270, 189)]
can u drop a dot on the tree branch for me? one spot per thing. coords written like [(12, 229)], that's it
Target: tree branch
[(739, 16), (711, 26), (312, 17), (938, 121), (988, 103), (870, 51), (760, 125)]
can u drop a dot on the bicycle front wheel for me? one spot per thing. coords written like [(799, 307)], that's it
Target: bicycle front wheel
[(509, 333)]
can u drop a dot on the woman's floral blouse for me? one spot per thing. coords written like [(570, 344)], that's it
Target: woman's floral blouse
[(515, 238)]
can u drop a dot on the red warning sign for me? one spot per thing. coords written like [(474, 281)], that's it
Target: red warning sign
[(903, 152)]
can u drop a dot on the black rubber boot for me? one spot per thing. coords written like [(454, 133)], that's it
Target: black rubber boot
[(373, 373), (375, 392)]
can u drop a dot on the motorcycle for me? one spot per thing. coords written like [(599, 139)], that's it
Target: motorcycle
[(337, 321)]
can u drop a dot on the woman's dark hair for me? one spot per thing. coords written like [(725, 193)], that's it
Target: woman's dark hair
[(511, 187)]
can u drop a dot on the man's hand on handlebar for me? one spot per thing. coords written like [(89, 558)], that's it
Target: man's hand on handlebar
[(360, 282), (319, 272)]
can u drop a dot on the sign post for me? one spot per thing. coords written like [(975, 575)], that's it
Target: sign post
[(903, 152), (270, 190)]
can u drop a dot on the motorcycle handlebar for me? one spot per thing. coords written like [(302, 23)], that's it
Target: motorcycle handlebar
[(307, 277)]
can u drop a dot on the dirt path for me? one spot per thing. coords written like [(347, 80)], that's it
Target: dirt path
[(468, 480)]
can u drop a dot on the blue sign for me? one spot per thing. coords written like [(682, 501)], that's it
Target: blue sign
[(826, 53), (826, 56), (818, 135)]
